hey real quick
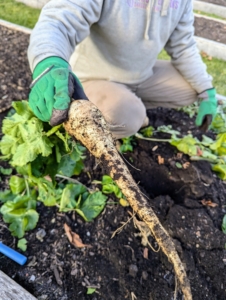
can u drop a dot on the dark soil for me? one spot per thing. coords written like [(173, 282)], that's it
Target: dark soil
[(217, 2), (15, 76), (212, 30), (117, 267)]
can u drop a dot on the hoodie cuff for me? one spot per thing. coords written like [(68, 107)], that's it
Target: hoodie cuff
[(207, 93), (48, 62)]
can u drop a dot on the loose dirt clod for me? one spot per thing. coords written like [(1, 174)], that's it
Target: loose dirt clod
[(88, 126)]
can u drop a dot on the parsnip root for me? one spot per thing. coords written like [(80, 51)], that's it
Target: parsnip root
[(88, 126)]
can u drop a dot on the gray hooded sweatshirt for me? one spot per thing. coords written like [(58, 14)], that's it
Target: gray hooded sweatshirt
[(119, 40)]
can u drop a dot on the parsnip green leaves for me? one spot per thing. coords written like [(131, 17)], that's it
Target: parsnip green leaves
[(168, 129), (20, 213), (147, 131), (49, 193), (219, 146), (224, 224), (109, 186), (72, 163), (5, 196), (22, 244), (219, 123), (207, 149), (50, 150), (90, 291), (71, 196), (17, 184), (27, 139), (150, 131), (24, 137), (220, 169), (88, 205), (39, 152), (187, 145), (191, 110), (91, 205), (6, 171), (126, 144)]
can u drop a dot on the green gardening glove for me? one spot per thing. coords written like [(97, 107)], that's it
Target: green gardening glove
[(52, 89), (207, 109)]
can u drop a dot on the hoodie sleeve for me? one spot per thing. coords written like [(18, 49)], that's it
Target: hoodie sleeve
[(61, 26), (185, 55)]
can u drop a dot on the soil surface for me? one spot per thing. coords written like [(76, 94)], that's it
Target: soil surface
[(212, 30), (122, 267), (15, 76), (217, 2)]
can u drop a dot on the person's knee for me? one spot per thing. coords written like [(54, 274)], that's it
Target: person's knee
[(122, 109), (127, 123), (188, 99)]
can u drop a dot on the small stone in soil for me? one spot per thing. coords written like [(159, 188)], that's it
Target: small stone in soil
[(43, 297), (33, 262), (133, 270), (144, 275), (40, 234), (53, 231), (32, 278), (74, 272)]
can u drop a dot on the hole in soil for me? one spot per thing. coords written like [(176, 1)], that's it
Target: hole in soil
[(157, 182)]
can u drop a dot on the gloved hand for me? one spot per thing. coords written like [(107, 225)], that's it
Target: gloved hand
[(52, 89), (207, 109)]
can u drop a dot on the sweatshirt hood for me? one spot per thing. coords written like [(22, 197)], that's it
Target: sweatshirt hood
[(164, 11)]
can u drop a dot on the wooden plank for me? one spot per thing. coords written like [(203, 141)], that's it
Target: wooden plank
[(10, 290)]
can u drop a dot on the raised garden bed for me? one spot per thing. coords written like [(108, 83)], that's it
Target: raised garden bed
[(120, 267), (217, 2), (211, 8), (15, 76), (210, 29)]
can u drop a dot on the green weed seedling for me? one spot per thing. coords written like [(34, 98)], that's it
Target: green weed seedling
[(110, 187), (126, 144)]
